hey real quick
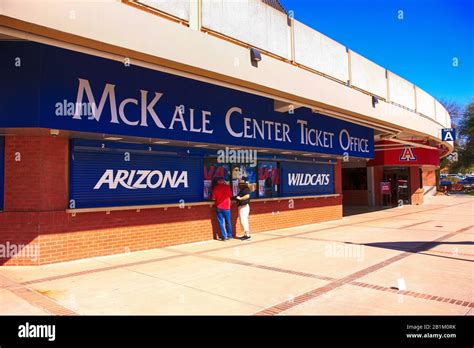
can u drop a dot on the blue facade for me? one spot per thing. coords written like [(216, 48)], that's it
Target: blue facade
[(50, 87)]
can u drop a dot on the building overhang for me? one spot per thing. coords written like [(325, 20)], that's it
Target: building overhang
[(274, 78)]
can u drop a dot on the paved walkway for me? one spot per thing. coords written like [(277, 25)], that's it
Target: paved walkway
[(358, 265)]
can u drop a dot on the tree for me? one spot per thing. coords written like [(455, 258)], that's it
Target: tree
[(463, 121), (466, 134)]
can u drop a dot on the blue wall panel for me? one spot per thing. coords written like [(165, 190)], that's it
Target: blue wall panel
[(136, 101)]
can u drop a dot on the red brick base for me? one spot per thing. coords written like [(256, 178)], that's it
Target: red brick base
[(36, 195), (62, 237)]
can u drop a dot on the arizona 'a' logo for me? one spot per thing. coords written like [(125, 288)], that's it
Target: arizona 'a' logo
[(407, 155)]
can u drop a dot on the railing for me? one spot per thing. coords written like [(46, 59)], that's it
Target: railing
[(401, 91), (251, 22), (176, 8), (256, 24), (320, 53), (367, 76)]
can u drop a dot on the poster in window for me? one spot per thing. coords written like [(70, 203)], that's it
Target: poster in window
[(241, 170), (212, 171), (268, 179)]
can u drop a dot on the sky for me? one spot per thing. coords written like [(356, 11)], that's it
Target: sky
[(421, 46)]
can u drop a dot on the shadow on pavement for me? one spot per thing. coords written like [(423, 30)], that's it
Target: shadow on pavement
[(362, 209), (417, 247)]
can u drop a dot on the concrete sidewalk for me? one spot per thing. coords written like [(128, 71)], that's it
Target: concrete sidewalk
[(350, 266)]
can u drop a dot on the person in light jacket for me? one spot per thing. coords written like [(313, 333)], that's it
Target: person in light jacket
[(243, 205)]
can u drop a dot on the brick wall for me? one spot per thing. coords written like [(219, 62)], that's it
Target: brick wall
[(35, 173), (416, 191), (429, 181), (35, 212), (429, 177), (355, 197), (61, 236)]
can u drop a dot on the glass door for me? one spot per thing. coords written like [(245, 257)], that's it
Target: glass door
[(403, 188), (399, 179)]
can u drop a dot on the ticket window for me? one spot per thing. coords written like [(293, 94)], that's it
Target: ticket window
[(263, 179), (248, 171), (268, 179), (212, 171)]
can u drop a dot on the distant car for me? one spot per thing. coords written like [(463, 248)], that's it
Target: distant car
[(467, 181)]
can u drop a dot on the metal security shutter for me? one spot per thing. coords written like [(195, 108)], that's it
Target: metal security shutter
[(88, 166), (299, 172)]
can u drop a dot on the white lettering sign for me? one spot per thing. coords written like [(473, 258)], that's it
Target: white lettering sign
[(142, 179), (305, 179), (139, 109)]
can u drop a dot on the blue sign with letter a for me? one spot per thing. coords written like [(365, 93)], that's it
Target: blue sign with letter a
[(448, 134)]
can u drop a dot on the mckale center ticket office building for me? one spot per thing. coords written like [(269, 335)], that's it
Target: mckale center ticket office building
[(115, 118)]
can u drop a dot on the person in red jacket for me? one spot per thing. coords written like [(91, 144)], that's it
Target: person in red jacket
[(222, 194)]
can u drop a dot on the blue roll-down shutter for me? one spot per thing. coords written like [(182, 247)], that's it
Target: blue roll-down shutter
[(103, 178), (300, 179)]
